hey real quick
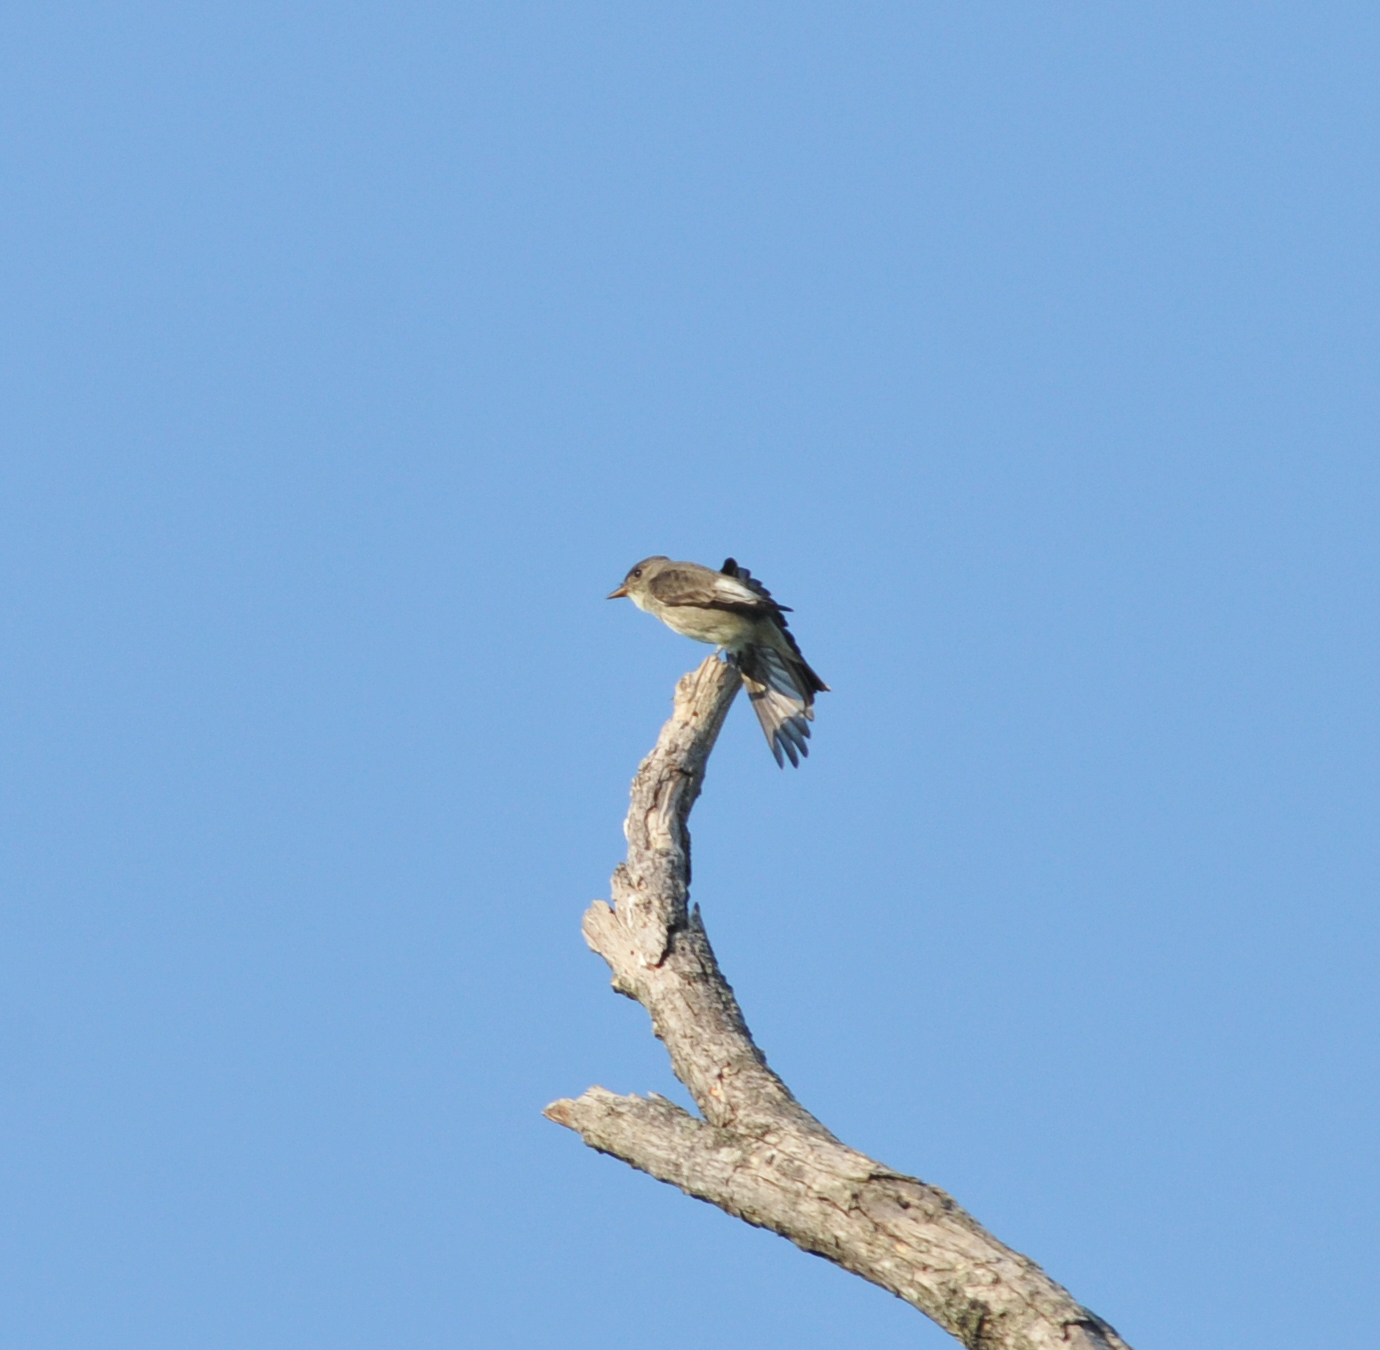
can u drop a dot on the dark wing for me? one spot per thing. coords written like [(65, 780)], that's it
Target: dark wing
[(810, 683), (707, 589), (731, 569)]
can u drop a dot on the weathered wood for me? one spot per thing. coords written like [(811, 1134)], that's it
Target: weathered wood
[(757, 1153)]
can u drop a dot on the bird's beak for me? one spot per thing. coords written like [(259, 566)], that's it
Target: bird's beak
[(618, 594)]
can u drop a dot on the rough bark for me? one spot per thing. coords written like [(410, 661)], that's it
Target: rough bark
[(757, 1153)]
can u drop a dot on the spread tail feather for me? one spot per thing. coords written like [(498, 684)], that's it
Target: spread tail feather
[(783, 699)]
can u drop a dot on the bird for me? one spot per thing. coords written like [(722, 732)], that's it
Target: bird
[(733, 611)]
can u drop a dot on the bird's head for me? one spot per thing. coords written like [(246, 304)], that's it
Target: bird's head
[(635, 583)]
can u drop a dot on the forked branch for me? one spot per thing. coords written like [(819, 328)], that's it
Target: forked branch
[(755, 1152)]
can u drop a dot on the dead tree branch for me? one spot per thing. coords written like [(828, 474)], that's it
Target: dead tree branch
[(757, 1153)]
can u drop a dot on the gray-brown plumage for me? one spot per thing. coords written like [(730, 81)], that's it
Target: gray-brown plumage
[(732, 610)]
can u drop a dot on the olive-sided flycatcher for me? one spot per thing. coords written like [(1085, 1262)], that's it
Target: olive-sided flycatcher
[(732, 610)]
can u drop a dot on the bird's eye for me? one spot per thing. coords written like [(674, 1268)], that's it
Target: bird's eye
[(637, 571)]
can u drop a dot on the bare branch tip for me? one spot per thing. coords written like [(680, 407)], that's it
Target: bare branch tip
[(562, 1111)]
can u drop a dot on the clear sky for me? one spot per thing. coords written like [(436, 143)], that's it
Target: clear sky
[(353, 352)]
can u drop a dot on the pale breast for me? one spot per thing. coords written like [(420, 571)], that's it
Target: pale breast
[(715, 626)]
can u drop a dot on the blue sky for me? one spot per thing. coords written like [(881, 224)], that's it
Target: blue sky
[(352, 353)]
